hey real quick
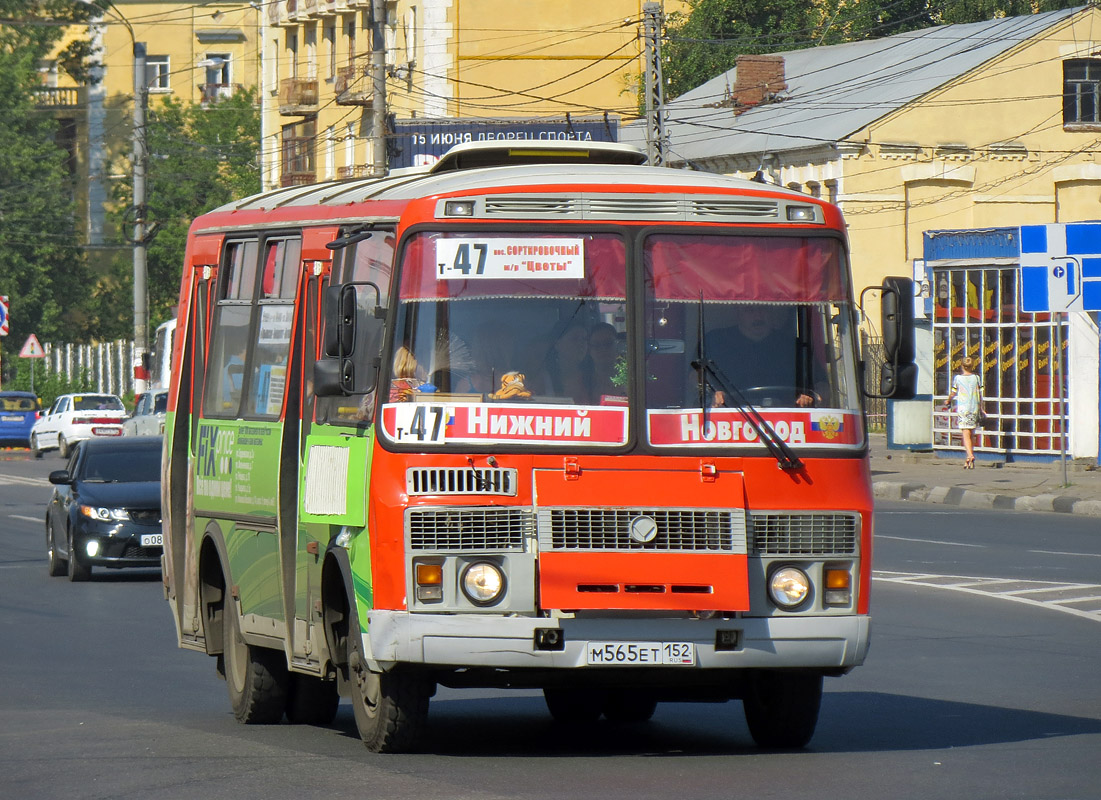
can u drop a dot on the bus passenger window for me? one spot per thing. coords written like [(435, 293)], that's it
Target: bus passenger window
[(281, 262), (269, 361), (226, 363)]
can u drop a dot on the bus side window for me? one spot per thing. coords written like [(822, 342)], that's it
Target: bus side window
[(225, 374)]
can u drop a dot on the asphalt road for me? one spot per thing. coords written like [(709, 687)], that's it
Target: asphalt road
[(972, 689)]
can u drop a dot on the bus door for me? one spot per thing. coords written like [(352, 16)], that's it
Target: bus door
[(239, 424), (337, 433)]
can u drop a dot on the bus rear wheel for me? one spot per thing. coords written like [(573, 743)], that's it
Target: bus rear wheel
[(391, 708), (256, 677), (781, 708)]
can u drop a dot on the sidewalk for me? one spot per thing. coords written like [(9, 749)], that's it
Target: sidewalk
[(939, 477)]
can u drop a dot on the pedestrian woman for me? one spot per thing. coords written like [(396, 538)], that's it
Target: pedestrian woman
[(967, 392)]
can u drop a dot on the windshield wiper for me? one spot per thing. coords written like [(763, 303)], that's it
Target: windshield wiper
[(784, 455)]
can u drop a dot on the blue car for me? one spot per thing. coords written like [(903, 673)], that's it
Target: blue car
[(18, 412)]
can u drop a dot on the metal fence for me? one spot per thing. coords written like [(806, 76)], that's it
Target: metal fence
[(871, 353), (107, 366)]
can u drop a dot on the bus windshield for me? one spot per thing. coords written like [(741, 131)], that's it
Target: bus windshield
[(535, 327), (771, 319), (531, 319)]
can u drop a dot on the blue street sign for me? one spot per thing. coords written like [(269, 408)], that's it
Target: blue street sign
[(1061, 267)]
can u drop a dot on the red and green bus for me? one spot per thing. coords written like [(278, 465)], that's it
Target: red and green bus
[(539, 416)]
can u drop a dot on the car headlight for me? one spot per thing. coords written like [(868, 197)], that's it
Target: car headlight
[(788, 587), (483, 583), (105, 514)]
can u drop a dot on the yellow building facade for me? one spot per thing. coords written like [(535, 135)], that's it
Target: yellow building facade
[(445, 60), (193, 53)]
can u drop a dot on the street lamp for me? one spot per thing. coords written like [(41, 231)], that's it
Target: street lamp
[(138, 161)]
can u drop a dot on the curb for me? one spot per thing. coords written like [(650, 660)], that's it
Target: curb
[(966, 498)]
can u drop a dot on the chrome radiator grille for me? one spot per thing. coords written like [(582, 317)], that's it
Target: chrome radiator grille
[(464, 529), (678, 530), (460, 481), (803, 534)]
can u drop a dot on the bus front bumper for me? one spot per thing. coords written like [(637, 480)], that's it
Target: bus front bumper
[(811, 642)]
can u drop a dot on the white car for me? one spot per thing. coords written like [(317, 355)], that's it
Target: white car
[(74, 417), (148, 416)]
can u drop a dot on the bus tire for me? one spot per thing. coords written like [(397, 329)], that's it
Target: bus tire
[(629, 706), (571, 706), (311, 701), (391, 708), (255, 676), (781, 708)]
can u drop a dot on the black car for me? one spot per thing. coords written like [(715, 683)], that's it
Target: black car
[(106, 507)]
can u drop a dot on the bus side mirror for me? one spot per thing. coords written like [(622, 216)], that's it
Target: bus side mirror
[(898, 379), (340, 320), (352, 338)]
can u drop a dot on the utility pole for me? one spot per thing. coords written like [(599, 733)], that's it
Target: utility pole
[(140, 152), (652, 21), (378, 96)]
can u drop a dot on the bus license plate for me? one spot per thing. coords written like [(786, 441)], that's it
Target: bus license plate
[(629, 654), (152, 540)]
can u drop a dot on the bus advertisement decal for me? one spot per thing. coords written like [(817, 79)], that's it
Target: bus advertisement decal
[(474, 423), (685, 427)]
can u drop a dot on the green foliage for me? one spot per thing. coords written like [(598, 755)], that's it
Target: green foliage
[(46, 385), (42, 268), (200, 157)]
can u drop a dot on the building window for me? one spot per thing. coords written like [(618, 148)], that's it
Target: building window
[(218, 83), (1082, 91), (157, 70), (298, 144)]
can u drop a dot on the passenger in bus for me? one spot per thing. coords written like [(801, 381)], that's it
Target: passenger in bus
[(758, 352), (407, 376), (569, 370)]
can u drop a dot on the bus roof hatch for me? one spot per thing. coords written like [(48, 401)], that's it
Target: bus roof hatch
[(473, 155)]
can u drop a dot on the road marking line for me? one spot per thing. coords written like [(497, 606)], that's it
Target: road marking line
[(9, 480), (930, 541), (973, 585), (1060, 553), (28, 519)]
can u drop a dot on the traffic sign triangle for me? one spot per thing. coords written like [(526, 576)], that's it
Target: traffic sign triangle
[(32, 348)]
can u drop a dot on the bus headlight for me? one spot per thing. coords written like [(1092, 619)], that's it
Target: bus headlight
[(788, 587), (483, 583)]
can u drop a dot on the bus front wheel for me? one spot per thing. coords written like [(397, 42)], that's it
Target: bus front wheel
[(781, 708), (390, 708), (257, 677)]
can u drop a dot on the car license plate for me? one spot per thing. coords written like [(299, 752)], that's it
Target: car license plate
[(152, 540), (12, 419), (630, 654)]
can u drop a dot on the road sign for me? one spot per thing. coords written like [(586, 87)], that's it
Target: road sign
[(32, 349), (3, 315), (1061, 267)]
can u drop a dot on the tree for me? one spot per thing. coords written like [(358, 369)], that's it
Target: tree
[(200, 157), (42, 269)]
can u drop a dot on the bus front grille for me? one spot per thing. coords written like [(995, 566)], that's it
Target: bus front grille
[(794, 533), (468, 529), (674, 530), (460, 481)]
